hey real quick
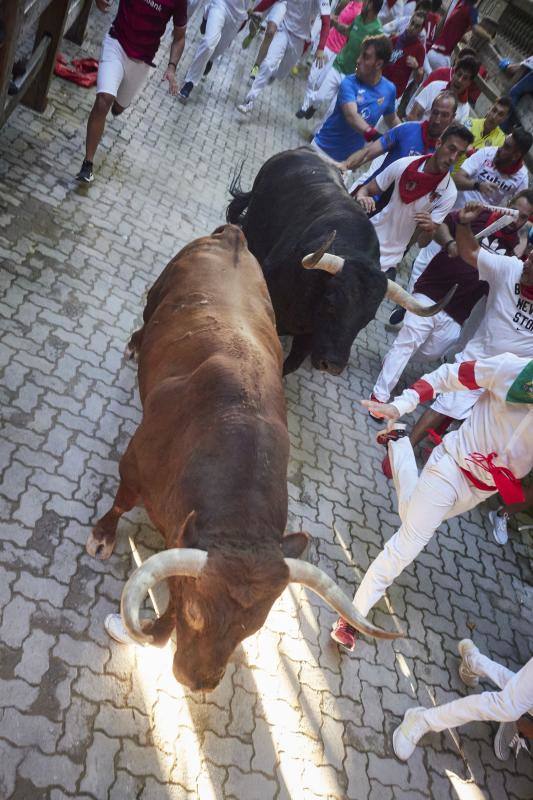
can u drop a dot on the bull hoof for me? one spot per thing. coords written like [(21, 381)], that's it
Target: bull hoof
[(99, 547)]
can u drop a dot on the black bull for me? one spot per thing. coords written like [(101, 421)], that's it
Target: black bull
[(296, 204)]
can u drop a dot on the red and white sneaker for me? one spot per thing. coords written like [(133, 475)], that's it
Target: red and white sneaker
[(373, 414), (396, 431), (344, 634)]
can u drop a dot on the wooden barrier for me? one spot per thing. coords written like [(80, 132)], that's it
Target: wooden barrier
[(78, 15), (33, 85)]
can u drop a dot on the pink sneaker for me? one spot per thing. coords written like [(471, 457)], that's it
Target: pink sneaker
[(343, 633)]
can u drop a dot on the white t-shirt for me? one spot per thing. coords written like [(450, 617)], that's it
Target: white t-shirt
[(481, 167), (301, 14), (426, 97), (507, 326), (395, 224)]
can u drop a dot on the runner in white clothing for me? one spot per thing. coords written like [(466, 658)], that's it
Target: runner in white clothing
[(288, 44), (224, 19), (507, 325), (463, 76), (506, 706), (422, 195), (489, 453)]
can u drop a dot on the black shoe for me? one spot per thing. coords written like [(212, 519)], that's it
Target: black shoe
[(85, 175), (208, 68), (300, 114), (310, 113), (203, 25), (396, 319), (184, 92)]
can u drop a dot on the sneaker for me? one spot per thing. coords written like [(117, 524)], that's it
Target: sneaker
[(184, 92), (392, 434), (208, 68), (85, 175), (499, 526), (344, 634), (468, 650), (396, 319), (372, 413), (407, 735), (246, 107), (310, 113), (116, 629), (508, 740), (254, 72), (300, 114)]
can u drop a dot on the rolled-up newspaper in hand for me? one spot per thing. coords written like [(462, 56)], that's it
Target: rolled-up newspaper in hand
[(508, 215)]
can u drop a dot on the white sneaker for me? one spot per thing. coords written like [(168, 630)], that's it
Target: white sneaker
[(117, 630), (468, 650), (508, 740), (246, 107), (406, 736), (499, 526)]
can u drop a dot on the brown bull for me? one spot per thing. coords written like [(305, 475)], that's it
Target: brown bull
[(209, 462)]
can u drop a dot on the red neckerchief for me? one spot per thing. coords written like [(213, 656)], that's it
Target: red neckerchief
[(512, 168), (391, 3), (463, 98), (506, 483), (429, 143), (507, 236), (526, 291), (414, 184)]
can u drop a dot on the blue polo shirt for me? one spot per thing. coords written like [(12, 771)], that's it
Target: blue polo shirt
[(404, 140), (336, 137)]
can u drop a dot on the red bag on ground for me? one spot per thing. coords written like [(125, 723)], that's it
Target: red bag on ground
[(82, 72)]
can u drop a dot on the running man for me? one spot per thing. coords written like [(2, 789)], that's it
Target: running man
[(490, 453), (128, 51)]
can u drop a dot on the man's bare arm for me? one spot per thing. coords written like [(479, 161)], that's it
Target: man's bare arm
[(467, 244), (368, 153)]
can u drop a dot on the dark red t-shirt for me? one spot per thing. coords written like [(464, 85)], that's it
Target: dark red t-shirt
[(140, 24), (442, 272), (397, 70), (463, 16)]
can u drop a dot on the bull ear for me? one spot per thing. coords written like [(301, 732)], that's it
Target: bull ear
[(188, 535), (294, 544)]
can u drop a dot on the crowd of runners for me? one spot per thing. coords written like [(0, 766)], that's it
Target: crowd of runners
[(392, 85)]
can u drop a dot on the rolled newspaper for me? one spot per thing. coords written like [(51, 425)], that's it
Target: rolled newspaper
[(508, 216)]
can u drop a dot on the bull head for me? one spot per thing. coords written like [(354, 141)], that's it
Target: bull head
[(333, 264), (193, 563)]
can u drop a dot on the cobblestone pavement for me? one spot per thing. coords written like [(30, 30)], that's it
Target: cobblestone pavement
[(85, 718)]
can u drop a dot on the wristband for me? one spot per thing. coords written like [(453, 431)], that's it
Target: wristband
[(448, 243), (370, 134), (462, 223), (172, 64)]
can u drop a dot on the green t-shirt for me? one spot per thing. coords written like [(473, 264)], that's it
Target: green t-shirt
[(347, 58)]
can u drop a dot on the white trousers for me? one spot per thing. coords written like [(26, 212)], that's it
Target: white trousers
[(435, 59), (326, 97), (431, 335), (423, 258), (508, 705), (220, 31), (441, 492), (284, 52), (316, 78)]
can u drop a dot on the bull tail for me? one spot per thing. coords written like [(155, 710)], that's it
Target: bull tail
[(236, 211)]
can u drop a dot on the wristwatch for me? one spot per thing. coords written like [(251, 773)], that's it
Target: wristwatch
[(447, 245), (475, 186)]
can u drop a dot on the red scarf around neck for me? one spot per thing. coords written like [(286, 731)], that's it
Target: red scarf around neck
[(429, 143), (526, 291), (414, 184), (511, 168)]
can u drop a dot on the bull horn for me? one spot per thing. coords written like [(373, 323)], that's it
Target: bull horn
[(157, 568), (320, 583), (402, 298), (321, 259)]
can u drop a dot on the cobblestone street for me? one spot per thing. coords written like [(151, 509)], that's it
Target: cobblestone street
[(86, 718)]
